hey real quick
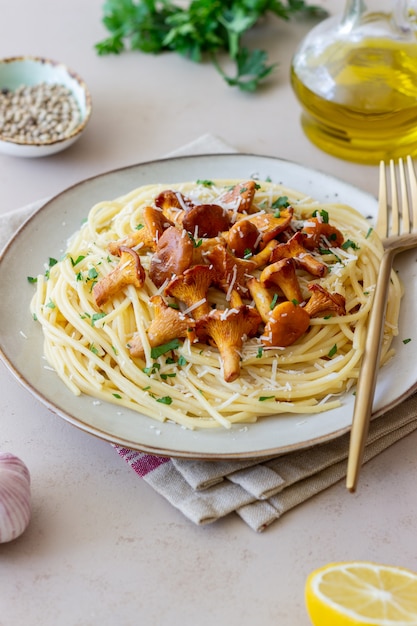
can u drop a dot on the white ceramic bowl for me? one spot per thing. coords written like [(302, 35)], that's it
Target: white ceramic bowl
[(30, 71)]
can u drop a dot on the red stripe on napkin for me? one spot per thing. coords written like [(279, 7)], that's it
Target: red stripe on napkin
[(140, 462)]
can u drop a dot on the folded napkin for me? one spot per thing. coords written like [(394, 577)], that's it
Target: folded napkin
[(260, 492)]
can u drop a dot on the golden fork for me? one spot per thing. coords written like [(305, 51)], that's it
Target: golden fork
[(397, 226)]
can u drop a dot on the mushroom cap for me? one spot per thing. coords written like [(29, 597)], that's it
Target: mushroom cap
[(173, 255), (206, 220), (243, 236), (270, 225), (241, 195), (323, 302), (318, 231), (287, 322)]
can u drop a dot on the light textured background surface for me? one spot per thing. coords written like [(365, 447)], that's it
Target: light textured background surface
[(102, 547)]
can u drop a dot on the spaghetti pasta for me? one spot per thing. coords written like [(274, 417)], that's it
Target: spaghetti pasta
[(183, 379)]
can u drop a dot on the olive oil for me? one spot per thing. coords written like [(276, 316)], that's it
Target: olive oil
[(359, 98)]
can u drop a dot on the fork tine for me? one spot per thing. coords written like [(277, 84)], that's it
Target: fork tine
[(413, 193), (405, 209), (381, 226), (395, 219)]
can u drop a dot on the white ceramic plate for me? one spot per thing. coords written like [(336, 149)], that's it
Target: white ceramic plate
[(46, 234)]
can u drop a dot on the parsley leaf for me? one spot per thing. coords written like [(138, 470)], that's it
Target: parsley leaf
[(157, 351)]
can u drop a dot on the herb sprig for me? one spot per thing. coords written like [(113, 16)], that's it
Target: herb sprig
[(203, 28)]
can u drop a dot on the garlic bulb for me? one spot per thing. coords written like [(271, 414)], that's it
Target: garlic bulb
[(15, 504)]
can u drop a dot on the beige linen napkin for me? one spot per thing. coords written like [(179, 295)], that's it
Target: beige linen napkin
[(260, 492)]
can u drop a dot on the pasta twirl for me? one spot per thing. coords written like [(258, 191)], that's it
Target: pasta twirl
[(90, 346)]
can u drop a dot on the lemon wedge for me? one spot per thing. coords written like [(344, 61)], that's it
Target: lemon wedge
[(362, 594)]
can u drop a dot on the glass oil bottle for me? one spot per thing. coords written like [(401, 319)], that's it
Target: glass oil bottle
[(356, 79)]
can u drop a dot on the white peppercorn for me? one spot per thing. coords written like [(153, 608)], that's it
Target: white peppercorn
[(40, 113)]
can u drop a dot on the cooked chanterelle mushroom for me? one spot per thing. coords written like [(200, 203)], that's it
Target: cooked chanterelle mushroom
[(146, 234), (322, 302), (230, 271), (191, 289), (283, 275), (206, 220), (294, 248), (173, 255), (240, 197), (270, 225), (167, 324), (243, 238), (129, 271), (227, 330), (287, 322), (173, 205), (319, 232)]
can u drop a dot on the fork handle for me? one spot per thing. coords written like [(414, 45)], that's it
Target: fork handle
[(368, 372)]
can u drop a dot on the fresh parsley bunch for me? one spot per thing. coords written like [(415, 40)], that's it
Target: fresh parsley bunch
[(202, 28)]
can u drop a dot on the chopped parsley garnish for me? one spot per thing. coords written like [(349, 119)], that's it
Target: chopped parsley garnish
[(152, 369), (280, 203), (323, 214), (96, 316), (182, 360), (260, 352), (158, 351), (32, 279), (205, 182), (369, 232), (196, 243), (274, 301), (332, 351), (406, 340), (93, 348), (139, 227), (350, 244), (50, 305), (117, 395), (80, 258), (165, 400), (263, 398), (92, 274)]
